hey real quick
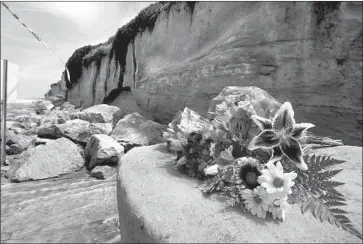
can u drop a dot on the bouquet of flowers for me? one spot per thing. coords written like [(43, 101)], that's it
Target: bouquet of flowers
[(261, 164)]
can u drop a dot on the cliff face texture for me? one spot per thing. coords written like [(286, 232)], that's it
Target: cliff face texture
[(183, 54)]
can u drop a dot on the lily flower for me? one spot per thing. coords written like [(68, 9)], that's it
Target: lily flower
[(281, 135)]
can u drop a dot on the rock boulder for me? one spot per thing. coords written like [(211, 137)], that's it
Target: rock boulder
[(102, 113), (102, 150), (77, 130), (46, 161), (158, 204), (22, 142), (134, 129)]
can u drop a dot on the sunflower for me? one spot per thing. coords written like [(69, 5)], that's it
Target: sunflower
[(278, 208), (275, 180), (256, 201), (249, 171)]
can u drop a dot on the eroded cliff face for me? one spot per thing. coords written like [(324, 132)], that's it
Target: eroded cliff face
[(308, 53)]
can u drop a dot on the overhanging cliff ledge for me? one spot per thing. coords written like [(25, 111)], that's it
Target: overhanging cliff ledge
[(177, 54)]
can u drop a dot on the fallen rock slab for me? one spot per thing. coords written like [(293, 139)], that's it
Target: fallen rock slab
[(158, 204), (102, 150), (101, 113), (77, 130), (46, 161), (134, 129)]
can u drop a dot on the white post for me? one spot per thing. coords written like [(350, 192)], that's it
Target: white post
[(3, 111), (1, 117)]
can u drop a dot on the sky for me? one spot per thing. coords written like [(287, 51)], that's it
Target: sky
[(65, 27)]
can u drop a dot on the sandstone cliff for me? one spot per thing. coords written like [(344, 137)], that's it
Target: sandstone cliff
[(174, 55)]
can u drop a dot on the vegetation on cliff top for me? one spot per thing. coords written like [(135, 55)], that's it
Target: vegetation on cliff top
[(145, 20), (74, 64)]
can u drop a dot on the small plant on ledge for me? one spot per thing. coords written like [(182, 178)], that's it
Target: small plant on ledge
[(261, 164)]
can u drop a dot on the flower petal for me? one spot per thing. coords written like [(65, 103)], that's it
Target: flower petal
[(267, 139), (276, 155), (293, 151), (279, 169), (284, 118), (283, 215), (299, 129), (261, 122)]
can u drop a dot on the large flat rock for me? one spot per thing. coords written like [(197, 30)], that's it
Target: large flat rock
[(69, 209), (58, 157), (158, 204)]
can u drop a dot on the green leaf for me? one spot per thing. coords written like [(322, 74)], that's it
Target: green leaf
[(324, 185), (337, 211), (331, 196), (336, 193), (334, 204), (326, 175), (320, 194)]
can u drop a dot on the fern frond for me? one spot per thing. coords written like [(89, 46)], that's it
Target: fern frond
[(333, 215), (320, 162), (334, 204), (328, 174), (319, 192), (335, 192), (331, 196), (337, 211), (329, 184)]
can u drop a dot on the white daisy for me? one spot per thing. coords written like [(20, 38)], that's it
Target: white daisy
[(278, 208), (275, 180), (256, 201)]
